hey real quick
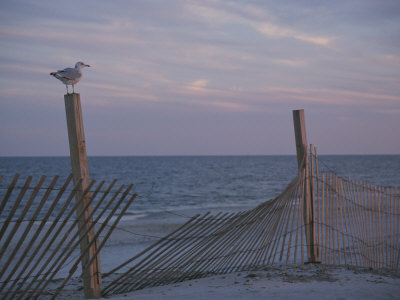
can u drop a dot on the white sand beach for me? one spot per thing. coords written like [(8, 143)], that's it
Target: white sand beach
[(279, 282), (308, 281), (312, 282)]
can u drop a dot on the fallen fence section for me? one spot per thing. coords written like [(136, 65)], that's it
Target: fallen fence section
[(219, 244), (39, 232)]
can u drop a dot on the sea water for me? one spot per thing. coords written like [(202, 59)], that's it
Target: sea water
[(176, 183)]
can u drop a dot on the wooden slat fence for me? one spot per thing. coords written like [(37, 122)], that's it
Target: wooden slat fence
[(218, 244), (39, 234), (357, 223), (354, 224)]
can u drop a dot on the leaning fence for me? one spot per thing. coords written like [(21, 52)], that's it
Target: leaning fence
[(216, 244), (40, 234), (353, 223)]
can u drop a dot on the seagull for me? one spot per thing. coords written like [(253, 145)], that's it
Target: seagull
[(70, 76)]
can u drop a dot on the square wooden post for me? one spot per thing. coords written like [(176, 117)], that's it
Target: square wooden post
[(308, 200), (77, 147)]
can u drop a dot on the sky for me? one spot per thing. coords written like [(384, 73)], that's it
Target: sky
[(210, 77)]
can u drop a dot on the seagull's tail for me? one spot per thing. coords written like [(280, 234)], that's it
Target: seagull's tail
[(56, 74)]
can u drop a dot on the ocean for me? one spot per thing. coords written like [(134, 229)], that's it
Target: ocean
[(177, 183)]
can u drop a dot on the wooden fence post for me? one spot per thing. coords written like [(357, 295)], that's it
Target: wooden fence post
[(77, 147), (308, 200)]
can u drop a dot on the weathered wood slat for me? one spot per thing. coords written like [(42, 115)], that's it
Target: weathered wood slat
[(28, 265), (279, 220), (396, 224), (322, 235), (8, 193), (395, 235), (72, 242), (343, 212), (93, 256), (190, 256), (336, 221), (15, 206), (44, 251), (52, 262), (355, 221), (45, 236), (295, 213), (113, 286), (17, 224), (348, 224), (387, 230), (29, 227)]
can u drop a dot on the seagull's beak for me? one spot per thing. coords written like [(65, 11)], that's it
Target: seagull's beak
[(87, 65)]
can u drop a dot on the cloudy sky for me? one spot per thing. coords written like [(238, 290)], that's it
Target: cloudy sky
[(202, 77)]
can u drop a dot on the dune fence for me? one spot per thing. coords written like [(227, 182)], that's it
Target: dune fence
[(348, 223), (357, 223), (41, 232)]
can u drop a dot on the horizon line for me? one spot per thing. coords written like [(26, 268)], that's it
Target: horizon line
[(197, 155)]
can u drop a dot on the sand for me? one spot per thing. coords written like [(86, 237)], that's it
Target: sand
[(285, 282)]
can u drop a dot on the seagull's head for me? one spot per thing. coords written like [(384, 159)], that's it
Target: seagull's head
[(80, 65)]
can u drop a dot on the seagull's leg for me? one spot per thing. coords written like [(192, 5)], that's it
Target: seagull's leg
[(73, 91), (66, 87)]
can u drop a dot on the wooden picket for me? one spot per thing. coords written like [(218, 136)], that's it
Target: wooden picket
[(39, 233)]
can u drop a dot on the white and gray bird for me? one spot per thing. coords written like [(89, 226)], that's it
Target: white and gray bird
[(70, 76)]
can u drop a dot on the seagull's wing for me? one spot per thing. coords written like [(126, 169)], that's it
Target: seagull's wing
[(69, 73)]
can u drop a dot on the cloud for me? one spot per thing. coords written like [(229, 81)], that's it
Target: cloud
[(332, 96), (277, 31), (132, 69), (112, 32), (9, 67), (217, 13), (229, 106), (389, 60), (198, 85), (389, 111), (198, 89), (291, 62), (115, 92)]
